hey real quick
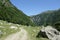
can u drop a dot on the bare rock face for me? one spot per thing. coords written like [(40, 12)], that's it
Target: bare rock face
[(50, 33), (57, 37), (6, 3)]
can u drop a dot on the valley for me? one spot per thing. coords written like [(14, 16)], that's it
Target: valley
[(16, 25)]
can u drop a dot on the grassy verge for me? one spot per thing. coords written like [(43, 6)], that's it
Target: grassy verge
[(7, 29), (32, 32)]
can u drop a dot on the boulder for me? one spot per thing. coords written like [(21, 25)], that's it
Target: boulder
[(49, 32), (57, 37), (42, 34)]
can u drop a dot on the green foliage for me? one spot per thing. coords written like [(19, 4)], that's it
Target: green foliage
[(32, 33), (57, 26), (5, 28), (47, 18), (10, 13)]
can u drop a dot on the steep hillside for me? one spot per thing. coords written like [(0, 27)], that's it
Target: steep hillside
[(47, 18), (10, 13)]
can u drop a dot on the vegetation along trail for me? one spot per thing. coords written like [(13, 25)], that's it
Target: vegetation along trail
[(21, 35)]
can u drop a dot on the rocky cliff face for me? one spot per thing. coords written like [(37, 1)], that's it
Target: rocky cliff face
[(47, 18), (6, 3)]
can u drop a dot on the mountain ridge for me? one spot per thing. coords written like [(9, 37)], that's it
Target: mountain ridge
[(8, 12), (47, 18)]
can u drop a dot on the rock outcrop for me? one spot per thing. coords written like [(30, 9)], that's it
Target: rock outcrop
[(6, 3), (50, 33)]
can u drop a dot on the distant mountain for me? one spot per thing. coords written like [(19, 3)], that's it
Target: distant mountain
[(47, 18), (8, 12)]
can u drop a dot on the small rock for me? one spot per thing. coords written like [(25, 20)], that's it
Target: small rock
[(13, 27), (1, 33)]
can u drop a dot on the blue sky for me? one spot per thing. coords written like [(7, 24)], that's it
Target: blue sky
[(33, 7)]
